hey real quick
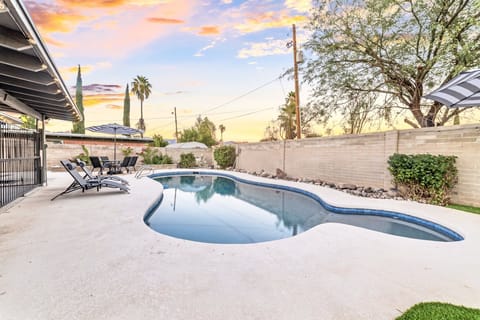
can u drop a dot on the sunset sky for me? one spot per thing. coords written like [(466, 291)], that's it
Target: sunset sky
[(199, 55)]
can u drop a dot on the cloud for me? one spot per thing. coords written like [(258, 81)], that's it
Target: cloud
[(261, 49), (209, 30), (165, 20), (303, 6), (226, 1), (93, 3), (110, 3), (269, 20), (53, 42), (53, 18), (114, 106), (211, 45), (174, 93), (93, 100), (95, 87)]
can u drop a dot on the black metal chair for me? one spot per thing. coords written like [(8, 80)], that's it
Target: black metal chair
[(133, 162), (97, 164), (124, 164)]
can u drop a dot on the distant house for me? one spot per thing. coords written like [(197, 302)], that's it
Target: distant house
[(30, 84)]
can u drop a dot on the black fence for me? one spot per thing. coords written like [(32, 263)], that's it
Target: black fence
[(20, 162)]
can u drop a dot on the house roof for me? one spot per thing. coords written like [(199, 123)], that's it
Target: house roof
[(29, 80)]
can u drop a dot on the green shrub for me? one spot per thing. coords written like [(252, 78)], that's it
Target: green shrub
[(84, 156), (187, 160), (158, 141), (225, 156), (438, 310), (127, 151), (152, 156), (424, 176)]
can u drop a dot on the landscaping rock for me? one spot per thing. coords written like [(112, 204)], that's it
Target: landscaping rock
[(347, 186), (280, 174)]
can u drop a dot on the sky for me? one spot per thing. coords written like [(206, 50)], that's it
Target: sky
[(216, 58)]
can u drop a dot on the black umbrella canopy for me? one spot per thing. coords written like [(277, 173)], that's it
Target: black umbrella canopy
[(461, 91), (114, 128)]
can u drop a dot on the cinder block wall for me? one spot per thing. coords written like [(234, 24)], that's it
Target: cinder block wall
[(57, 152), (362, 159)]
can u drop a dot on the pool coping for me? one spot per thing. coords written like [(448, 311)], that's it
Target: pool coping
[(278, 184)]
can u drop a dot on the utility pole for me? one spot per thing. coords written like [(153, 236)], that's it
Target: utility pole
[(297, 89), (176, 128)]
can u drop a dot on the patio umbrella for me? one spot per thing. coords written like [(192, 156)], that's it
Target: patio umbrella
[(461, 91), (114, 128)]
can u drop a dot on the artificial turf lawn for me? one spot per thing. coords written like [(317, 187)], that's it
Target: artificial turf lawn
[(465, 208), (440, 311)]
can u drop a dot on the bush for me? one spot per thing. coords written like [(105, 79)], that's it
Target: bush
[(158, 141), (84, 156), (152, 156), (225, 156), (187, 160), (127, 151), (424, 176)]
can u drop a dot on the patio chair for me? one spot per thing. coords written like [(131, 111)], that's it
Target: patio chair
[(97, 164), (89, 174), (80, 183), (133, 162), (124, 164)]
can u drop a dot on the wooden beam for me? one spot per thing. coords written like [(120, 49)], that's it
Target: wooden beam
[(13, 39), (31, 99), (26, 92), (41, 77), (21, 107), (51, 89), (20, 60), (45, 105)]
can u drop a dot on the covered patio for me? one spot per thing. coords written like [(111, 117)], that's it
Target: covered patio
[(31, 85)]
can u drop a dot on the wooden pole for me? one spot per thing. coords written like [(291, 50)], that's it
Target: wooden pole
[(297, 89), (176, 128)]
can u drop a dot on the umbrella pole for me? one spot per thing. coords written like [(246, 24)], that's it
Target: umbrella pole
[(115, 146)]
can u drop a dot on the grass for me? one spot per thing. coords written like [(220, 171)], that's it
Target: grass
[(464, 208), (440, 311)]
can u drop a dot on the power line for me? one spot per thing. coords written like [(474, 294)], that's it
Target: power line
[(246, 114), (243, 95)]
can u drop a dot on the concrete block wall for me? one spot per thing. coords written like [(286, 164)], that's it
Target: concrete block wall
[(461, 141), (57, 152), (362, 159)]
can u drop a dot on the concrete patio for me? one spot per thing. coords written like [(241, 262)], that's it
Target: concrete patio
[(90, 256)]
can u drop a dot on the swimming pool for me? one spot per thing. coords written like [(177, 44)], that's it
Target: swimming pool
[(222, 208)]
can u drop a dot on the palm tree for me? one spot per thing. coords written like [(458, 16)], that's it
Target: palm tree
[(287, 117), (222, 130), (142, 89)]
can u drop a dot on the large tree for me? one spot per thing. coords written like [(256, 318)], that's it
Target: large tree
[(203, 131), (126, 107), (399, 48), (142, 88), (222, 130), (79, 127)]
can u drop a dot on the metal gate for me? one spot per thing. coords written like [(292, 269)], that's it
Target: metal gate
[(20, 162)]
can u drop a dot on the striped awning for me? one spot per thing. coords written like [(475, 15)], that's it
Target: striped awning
[(461, 91), (114, 128)]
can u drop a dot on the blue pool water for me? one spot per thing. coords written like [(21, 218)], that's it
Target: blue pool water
[(220, 209)]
